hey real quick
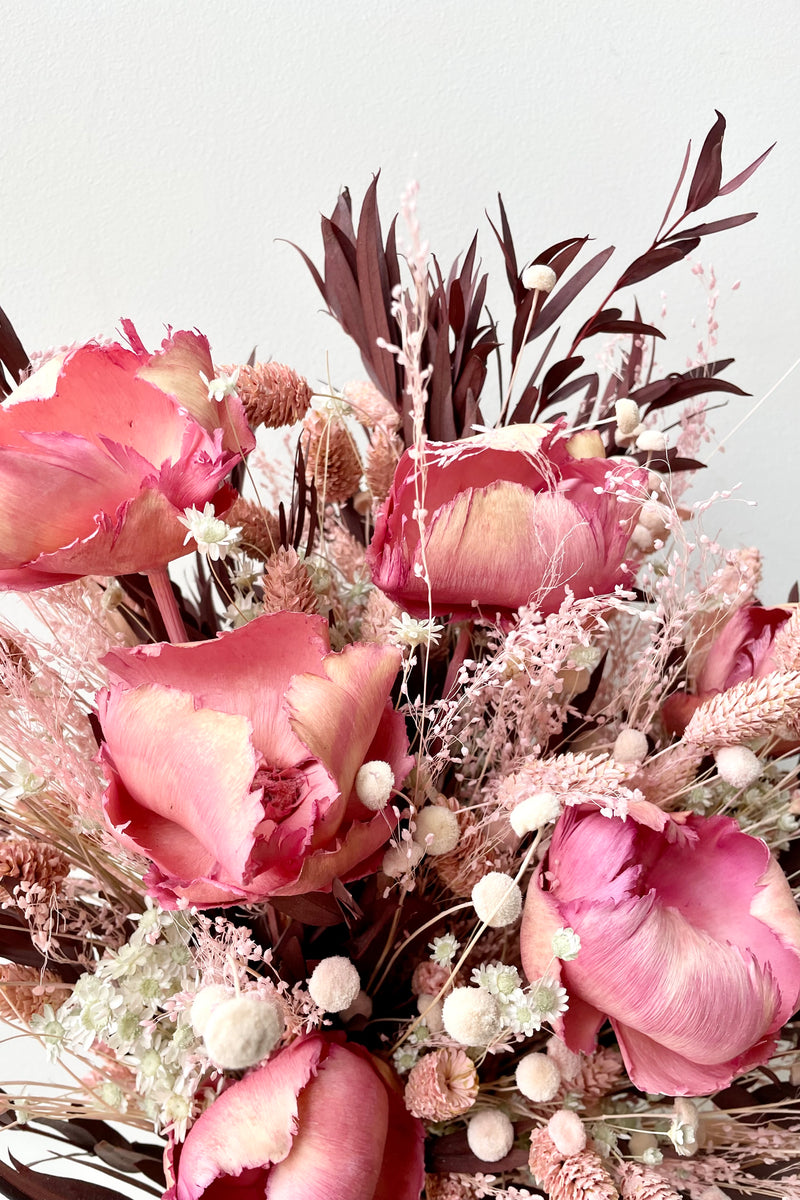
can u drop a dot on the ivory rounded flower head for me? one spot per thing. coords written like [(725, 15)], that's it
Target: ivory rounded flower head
[(497, 899), (121, 443), (334, 984), (490, 1135), (689, 943)]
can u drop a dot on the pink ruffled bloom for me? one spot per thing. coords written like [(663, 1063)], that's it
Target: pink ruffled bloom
[(101, 450), (512, 518), (321, 1121), (743, 650), (690, 944), (231, 764)]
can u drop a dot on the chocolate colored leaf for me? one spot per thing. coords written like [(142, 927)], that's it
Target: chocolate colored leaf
[(655, 260), (794, 593), (567, 390), (707, 176), (635, 327), (713, 226), (507, 246), (712, 368), (22, 1183), (744, 175), (554, 378), (564, 295), (12, 353), (374, 291), (315, 908), (676, 389)]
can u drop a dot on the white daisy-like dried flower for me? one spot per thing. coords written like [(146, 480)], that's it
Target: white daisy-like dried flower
[(213, 537), (566, 944)]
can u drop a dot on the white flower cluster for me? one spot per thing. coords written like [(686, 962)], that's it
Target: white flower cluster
[(408, 631), (522, 1010), (124, 1004), (213, 536)]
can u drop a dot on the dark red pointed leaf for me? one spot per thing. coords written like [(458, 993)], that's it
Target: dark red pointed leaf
[(744, 175), (392, 261), (342, 215), (567, 390), (507, 246), (655, 260), (456, 311), (314, 272), (341, 289), (713, 226), (523, 412), (563, 296), (674, 195), (707, 176), (635, 327), (554, 378), (12, 353), (654, 396), (565, 256), (712, 368), (794, 593), (315, 908), (373, 286), (22, 1183)]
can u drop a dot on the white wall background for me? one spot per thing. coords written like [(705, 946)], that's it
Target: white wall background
[(153, 153)]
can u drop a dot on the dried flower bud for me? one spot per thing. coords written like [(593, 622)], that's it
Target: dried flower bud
[(260, 530), (567, 1061), (683, 1130), (441, 1086), (334, 984), (652, 440), (566, 1129), (538, 1077), (497, 900), (288, 587), (490, 1135), (375, 784), (430, 1009), (534, 812), (640, 1141), (737, 765), (440, 825), (628, 416), (539, 278), (331, 457), (399, 860), (241, 1031), (630, 746), (272, 394), (471, 1016), (429, 978), (205, 1001)]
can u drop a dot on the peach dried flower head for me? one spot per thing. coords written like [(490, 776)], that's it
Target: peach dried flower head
[(288, 587), (442, 1085), (28, 862), (272, 394), (260, 530), (331, 456), (370, 407), (24, 991)]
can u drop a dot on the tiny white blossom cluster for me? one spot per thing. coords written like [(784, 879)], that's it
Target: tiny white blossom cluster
[(410, 632), (522, 1010), (213, 537)]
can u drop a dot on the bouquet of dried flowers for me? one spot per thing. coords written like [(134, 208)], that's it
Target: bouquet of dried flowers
[(433, 827)]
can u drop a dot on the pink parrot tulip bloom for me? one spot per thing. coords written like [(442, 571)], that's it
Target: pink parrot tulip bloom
[(690, 944), (322, 1120), (101, 450), (231, 764), (512, 518)]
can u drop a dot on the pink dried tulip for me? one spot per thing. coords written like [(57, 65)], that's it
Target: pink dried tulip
[(272, 394), (690, 944), (113, 445), (232, 764), (442, 1085), (511, 519), (322, 1119)]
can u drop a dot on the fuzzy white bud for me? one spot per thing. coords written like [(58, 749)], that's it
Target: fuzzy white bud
[(628, 417), (430, 1009), (497, 900), (204, 1003), (399, 860), (334, 984), (440, 825), (375, 784), (566, 1129), (651, 440), (737, 765), (538, 277), (630, 746), (538, 1077), (490, 1135), (471, 1016), (533, 813), (241, 1031)]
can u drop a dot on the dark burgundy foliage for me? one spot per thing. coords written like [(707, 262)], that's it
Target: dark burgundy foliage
[(13, 359)]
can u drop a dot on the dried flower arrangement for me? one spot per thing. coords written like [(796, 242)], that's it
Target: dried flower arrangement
[(438, 831)]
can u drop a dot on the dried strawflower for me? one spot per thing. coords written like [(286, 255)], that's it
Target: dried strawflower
[(272, 394), (331, 457), (441, 1086), (287, 584)]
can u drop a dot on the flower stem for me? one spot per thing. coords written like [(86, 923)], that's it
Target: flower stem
[(167, 605)]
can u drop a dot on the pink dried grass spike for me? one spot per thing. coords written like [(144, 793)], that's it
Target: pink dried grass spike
[(272, 394), (637, 1183), (578, 1177), (750, 709)]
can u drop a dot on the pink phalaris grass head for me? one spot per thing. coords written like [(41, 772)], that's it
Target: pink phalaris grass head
[(24, 991), (690, 944), (287, 585), (272, 394), (568, 1177), (232, 764), (23, 861), (321, 1118), (261, 535), (558, 522), (332, 459), (385, 449), (442, 1085), (119, 442), (638, 1183), (450, 1187), (370, 407)]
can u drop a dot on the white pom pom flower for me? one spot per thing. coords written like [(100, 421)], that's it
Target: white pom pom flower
[(534, 812), (566, 1129), (630, 746), (437, 829), (538, 1077), (471, 1016), (538, 277), (241, 1031), (497, 900), (490, 1135), (334, 984), (628, 417), (737, 765), (204, 1003), (375, 784)]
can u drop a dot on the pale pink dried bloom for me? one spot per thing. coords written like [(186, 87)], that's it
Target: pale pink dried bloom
[(666, 777), (579, 1177), (574, 778), (449, 1187), (478, 852), (786, 646), (598, 1075), (442, 1085), (345, 552), (637, 1183), (272, 394), (428, 978), (332, 459), (261, 534), (376, 620), (23, 861), (24, 991), (287, 584), (370, 407), (383, 455), (752, 708)]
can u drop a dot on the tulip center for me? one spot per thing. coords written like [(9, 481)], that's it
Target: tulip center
[(284, 789)]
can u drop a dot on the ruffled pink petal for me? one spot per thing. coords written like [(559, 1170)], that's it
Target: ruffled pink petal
[(402, 1172), (337, 715), (246, 671), (251, 1125), (191, 767), (655, 1068), (343, 1125)]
